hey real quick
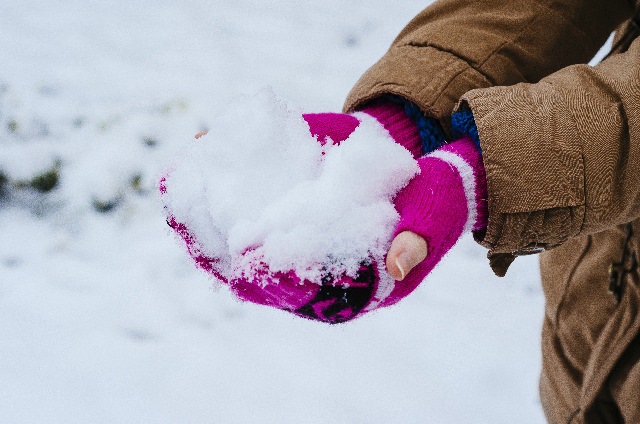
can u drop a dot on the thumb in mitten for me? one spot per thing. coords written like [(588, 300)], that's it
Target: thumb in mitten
[(445, 200)]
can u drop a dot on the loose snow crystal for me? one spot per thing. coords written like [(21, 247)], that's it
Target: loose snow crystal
[(259, 182)]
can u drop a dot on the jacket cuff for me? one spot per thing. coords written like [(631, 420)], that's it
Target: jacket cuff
[(535, 184), (431, 79)]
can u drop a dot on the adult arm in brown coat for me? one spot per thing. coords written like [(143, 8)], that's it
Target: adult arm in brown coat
[(560, 141)]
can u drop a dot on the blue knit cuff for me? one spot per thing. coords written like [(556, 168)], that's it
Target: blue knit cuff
[(463, 124), (431, 132)]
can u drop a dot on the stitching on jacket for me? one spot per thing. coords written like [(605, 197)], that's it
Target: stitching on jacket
[(573, 415), (489, 56), (583, 207), (578, 130), (441, 90), (480, 65), (631, 33), (578, 28), (457, 56)]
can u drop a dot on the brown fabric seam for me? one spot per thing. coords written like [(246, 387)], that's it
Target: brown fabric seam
[(585, 250), (444, 89), (547, 6), (584, 194), (428, 110), (573, 415), (616, 353), (627, 37), (381, 88), (457, 56), (579, 130), (481, 64)]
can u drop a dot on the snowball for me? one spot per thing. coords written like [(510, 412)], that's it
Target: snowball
[(260, 188)]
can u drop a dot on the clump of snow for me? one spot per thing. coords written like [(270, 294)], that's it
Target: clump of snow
[(260, 188)]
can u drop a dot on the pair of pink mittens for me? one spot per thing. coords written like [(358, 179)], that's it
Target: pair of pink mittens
[(446, 199)]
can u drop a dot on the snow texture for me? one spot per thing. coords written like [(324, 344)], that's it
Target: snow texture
[(104, 319), (259, 182)]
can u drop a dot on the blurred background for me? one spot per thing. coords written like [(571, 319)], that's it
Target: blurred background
[(103, 318)]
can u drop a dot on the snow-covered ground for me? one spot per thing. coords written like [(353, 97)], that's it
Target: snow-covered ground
[(103, 319)]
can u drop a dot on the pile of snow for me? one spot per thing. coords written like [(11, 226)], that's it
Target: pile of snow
[(106, 320), (260, 182)]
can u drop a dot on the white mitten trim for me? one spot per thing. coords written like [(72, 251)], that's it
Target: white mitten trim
[(468, 181)]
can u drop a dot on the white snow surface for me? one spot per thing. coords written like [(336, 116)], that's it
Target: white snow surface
[(259, 188), (103, 317)]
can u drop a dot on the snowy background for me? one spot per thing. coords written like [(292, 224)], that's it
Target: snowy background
[(103, 319)]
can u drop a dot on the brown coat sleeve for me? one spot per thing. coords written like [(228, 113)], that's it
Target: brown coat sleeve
[(563, 155), (454, 46)]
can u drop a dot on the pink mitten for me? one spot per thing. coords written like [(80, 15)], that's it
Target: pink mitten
[(336, 127), (339, 126), (447, 199), (208, 264), (439, 204)]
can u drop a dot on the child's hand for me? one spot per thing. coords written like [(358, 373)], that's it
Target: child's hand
[(339, 298), (435, 208), (407, 250), (454, 170), (438, 205)]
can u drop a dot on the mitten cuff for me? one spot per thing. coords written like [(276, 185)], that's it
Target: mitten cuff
[(465, 157), (464, 125), (431, 134), (402, 129)]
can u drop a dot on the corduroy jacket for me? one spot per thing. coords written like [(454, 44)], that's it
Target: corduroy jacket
[(561, 146), (559, 164)]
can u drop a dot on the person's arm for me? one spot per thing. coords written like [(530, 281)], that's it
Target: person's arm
[(562, 156), (454, 46)]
